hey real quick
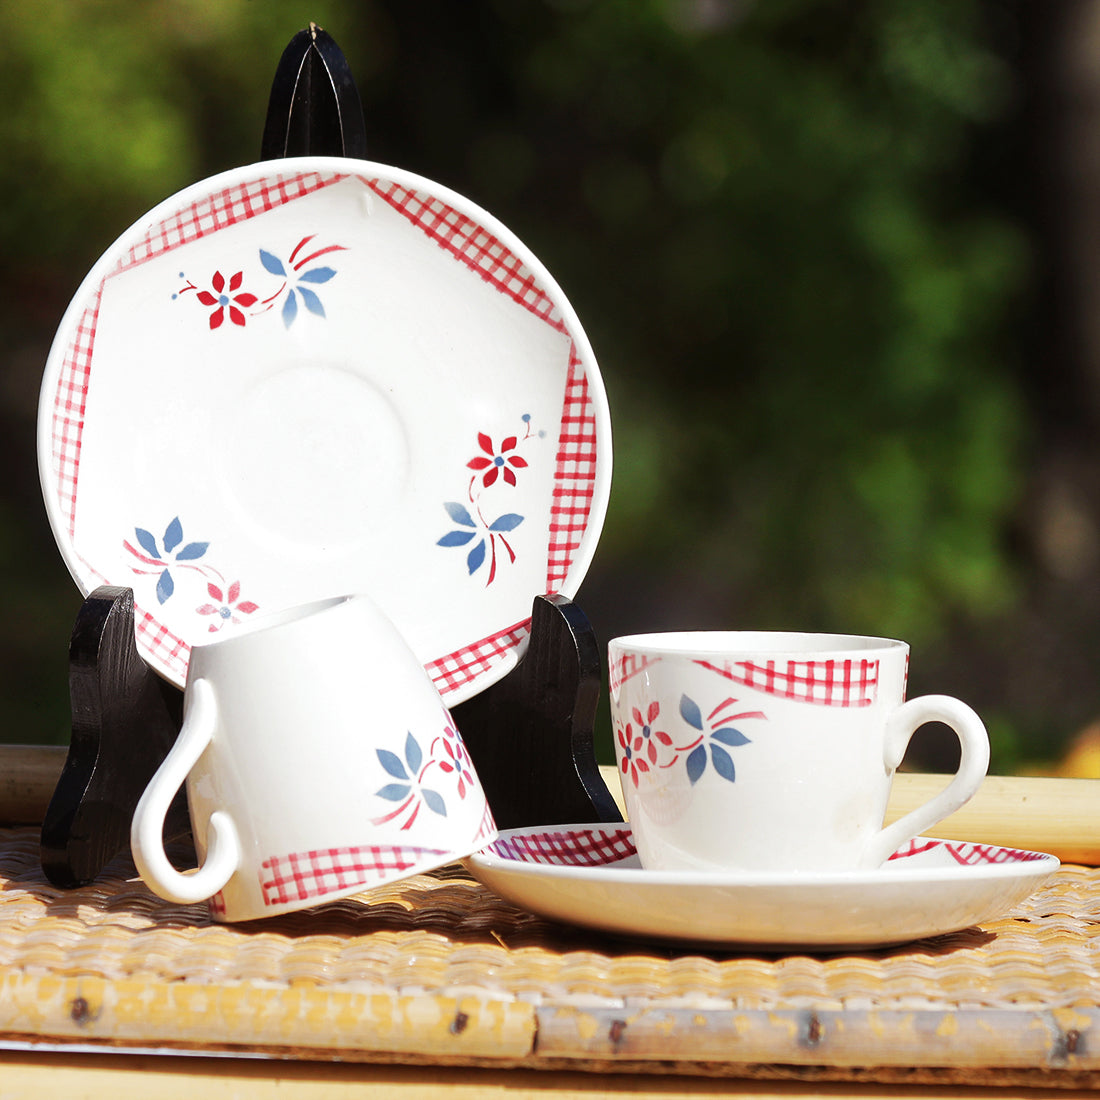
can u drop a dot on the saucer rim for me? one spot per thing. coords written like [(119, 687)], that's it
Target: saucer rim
[(1037, 865)]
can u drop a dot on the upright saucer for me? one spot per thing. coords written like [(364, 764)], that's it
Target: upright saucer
[(316, 376), (590, 875)]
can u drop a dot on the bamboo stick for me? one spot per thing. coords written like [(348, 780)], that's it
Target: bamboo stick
[(1059, 816), (1045, 814)]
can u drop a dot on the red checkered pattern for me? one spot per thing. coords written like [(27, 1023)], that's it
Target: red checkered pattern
[(488, 826), (165, 650), (473, 245), (574, 476), (575, 848), (831, 683), (304, 875), (69, 401), (967, 854), (223, 209), (464, 665), (627, 666)]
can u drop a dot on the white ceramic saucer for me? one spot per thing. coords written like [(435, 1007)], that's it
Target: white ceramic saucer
[(590, 875), (317, 376)]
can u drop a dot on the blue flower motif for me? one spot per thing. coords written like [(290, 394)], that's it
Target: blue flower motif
[(407, 774), (299, 283), (170, 549), (715, 743)]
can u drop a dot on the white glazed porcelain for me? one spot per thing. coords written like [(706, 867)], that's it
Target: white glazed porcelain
[(315, 376), (590, 875), (319, 760), (773, 751)]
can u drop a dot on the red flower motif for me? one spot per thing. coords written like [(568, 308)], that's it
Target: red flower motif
[(458, 759), (223, 300), (229, 606), (629, 761), (647, 735), (498, 463)]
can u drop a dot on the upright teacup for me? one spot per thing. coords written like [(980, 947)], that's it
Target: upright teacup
[(749, 751), (319, 761)]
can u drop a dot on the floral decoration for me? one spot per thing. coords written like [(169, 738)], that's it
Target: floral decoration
[(228, 605), (639, 746), (446, 754), (300, 275), (171, 555), (494, 467), (706, 742)]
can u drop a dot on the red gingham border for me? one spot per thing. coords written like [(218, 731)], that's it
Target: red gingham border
[(628, 666), (302, 876), (574, 476), (572, 848), (219, 211), (464, 665), (966, 854), (466, 240), (70, 397), (849, 682), (473, 245)]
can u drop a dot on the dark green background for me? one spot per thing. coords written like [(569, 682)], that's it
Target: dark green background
[(809, 240)]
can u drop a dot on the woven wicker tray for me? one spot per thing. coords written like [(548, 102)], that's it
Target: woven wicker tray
[(437, 969)]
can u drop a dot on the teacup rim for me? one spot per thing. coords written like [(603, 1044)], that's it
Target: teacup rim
[(276, 618), (754, 643)]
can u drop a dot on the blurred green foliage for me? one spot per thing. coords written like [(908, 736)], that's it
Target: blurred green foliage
[(768, 216)]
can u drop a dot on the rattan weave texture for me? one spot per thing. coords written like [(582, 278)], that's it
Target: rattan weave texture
[(438, 968)]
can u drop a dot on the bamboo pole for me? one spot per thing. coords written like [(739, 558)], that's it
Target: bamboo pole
[(1060, 816), (1043, 814)]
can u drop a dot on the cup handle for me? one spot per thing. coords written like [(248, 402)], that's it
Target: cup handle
[(147, 830), (974, 742)]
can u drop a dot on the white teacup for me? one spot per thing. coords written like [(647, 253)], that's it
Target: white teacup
[(319, 761), (773, 751)]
